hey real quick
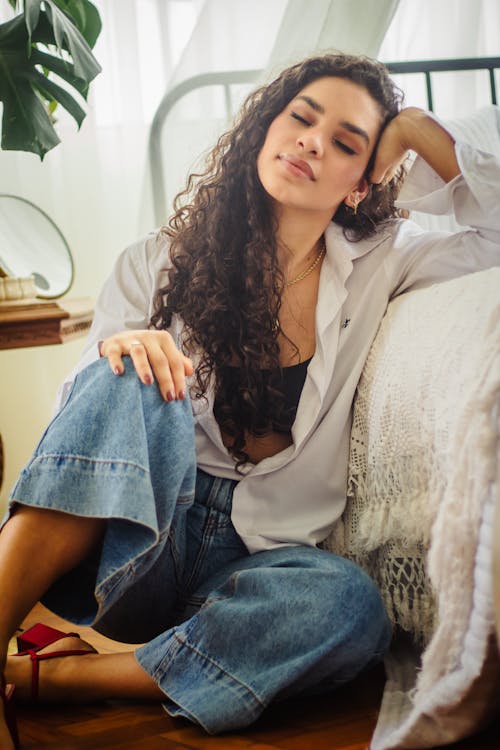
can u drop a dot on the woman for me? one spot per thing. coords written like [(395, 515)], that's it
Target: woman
[(260, 324)]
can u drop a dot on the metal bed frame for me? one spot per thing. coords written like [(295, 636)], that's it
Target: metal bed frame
[(226, 79)]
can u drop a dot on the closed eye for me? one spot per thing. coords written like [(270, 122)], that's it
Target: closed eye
[(344, 147), (339, 144), (300, 119)]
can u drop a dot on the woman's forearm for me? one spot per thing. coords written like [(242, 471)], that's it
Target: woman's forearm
[(414, 130), (423, 134)]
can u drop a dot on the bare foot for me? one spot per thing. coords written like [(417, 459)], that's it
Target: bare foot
[(51, 674)]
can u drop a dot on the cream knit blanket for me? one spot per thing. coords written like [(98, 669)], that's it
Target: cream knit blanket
[(422, 480)]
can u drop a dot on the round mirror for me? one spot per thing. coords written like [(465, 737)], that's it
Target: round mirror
[(32, 245)]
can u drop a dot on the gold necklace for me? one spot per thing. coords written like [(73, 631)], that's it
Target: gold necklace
[(313, 265)]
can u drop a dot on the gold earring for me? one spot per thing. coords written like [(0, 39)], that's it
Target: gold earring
[(353, 205)]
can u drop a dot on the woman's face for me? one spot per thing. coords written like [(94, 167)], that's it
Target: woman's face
[(316, 151)]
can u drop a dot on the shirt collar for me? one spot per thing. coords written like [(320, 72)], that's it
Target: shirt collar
[(337, 242)]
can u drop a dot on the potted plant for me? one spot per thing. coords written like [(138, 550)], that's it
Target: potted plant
[(46, 39)]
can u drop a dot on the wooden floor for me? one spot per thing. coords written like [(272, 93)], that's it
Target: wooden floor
[(343, 720)]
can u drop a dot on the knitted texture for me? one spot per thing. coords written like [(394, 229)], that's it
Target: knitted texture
[(423, 469)]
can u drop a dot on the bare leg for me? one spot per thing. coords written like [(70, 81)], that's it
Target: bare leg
[(37, 546), (83, 678)]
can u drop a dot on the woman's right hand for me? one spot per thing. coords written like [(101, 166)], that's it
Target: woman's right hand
[(155, 356)]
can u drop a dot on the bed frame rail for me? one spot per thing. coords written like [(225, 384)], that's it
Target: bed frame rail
[(427, 67)]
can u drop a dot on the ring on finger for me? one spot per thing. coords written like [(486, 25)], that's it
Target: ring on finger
[(135, 343)]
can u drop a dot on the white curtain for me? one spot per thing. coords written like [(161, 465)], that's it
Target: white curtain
[(269, 34), (354, 27), (91, 183), (436, 29)]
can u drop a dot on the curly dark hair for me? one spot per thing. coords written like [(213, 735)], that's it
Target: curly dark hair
[(225, 282)]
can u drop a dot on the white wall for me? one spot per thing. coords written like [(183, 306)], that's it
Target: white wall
[(28, 384)]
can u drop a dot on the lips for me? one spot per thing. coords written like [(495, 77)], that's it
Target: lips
[(298, 165)]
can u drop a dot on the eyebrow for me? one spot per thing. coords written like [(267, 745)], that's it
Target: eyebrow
[(312, 103), (317, 107), (356, 130)]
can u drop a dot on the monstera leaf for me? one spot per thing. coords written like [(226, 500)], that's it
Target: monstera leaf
[(50, 38)]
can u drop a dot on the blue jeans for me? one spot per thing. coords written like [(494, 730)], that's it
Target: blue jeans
[(225, 632)]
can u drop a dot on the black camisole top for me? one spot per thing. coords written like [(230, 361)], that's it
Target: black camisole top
[(290, 383)]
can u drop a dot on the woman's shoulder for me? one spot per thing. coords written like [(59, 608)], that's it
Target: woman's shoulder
[(146, 258), (150, 250)]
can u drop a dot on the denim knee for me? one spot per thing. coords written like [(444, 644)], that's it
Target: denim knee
[(349, 610), (331, 602), (321, 596), (342, 620), (370, 623), (117, 451)]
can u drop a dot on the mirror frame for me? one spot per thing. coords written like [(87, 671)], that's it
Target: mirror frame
[(63, 238)]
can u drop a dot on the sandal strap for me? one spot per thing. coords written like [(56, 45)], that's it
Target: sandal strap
[(36, 658)]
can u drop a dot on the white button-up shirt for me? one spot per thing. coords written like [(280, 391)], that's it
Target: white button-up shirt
[(295, 496)]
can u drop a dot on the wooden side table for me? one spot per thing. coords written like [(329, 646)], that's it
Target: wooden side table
[(40, 322)]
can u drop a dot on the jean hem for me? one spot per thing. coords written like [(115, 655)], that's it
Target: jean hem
[(187, 676)]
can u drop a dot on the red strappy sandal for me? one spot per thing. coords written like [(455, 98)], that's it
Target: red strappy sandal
[(6, 695), (37, 637)]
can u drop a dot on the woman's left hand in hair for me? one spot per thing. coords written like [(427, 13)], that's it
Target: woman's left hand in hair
[(413, 129)]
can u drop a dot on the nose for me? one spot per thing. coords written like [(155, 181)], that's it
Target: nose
[(311, 141)]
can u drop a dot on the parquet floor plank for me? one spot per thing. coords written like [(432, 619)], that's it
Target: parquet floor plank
[(191, 737)]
